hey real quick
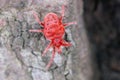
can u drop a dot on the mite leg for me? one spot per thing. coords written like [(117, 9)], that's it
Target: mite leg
[(64, 43), (62, 13), (59, 50), (51, 60), (68, 24), (49, 45), (37, 19), (35, 30)]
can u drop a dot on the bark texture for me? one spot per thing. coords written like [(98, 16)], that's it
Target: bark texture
[(20, 50)]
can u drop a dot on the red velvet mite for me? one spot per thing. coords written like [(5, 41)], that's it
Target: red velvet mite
[(53, 30)]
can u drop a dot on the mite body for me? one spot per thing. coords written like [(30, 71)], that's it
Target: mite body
[(53, 30)]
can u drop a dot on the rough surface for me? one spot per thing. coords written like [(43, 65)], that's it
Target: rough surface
[(20, 50)]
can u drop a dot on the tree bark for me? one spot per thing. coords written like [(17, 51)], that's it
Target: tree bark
[(20, 50)]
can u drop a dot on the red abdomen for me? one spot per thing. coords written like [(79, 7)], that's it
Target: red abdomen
[(54, 31)]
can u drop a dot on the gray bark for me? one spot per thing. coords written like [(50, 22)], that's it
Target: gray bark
[(20, 50)]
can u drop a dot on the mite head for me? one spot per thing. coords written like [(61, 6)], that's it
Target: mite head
[(51, 18)]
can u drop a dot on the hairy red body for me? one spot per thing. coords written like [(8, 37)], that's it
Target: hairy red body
[(53, 30)]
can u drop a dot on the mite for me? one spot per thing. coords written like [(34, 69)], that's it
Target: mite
[(53, 30)]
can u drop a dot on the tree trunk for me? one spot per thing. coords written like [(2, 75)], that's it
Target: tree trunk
[(20, 50)]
